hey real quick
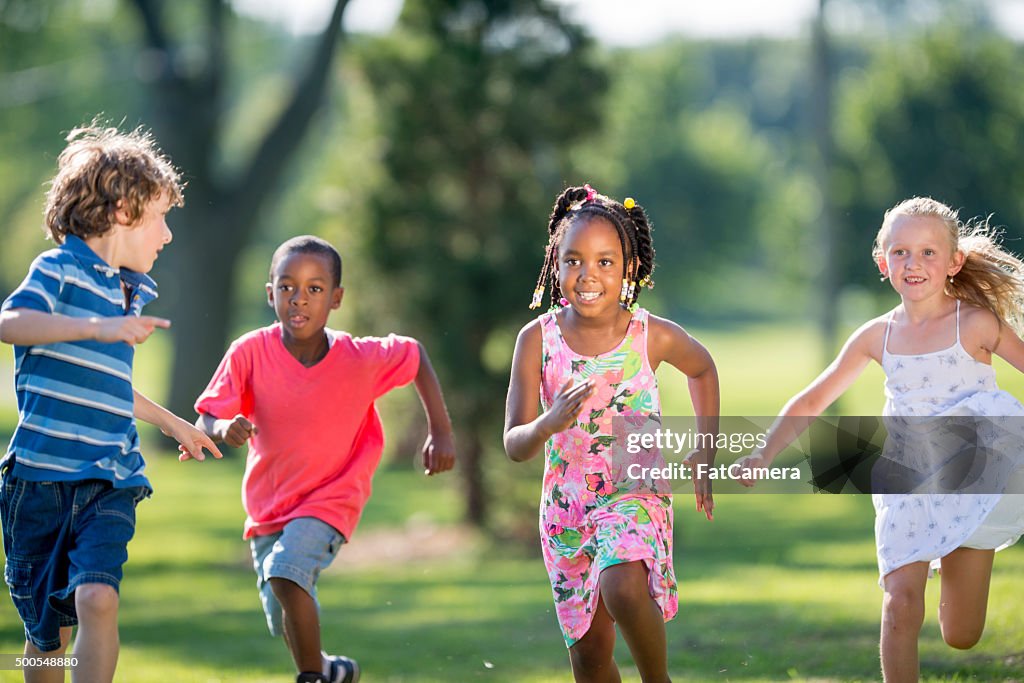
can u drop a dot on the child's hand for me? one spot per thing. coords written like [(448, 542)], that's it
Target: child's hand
[(234, 432), (191, 441), (129, 328), (438, 452), (753, 461), (701, 482), (567, 406)]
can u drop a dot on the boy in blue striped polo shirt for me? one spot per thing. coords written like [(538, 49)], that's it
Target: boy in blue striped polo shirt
[(73, 473)]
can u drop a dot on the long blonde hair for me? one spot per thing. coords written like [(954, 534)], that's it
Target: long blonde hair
[(990, 277)]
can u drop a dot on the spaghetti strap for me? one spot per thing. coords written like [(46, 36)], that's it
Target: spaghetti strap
[(888, 326), (958, 321)]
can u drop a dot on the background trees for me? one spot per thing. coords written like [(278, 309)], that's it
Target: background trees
[(940, 116)]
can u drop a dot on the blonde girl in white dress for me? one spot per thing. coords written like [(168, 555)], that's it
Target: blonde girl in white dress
[(961, 298)]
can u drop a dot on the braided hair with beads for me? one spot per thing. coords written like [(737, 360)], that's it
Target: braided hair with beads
[(630, 222)]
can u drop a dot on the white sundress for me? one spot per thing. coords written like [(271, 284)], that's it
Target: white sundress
[(916, 527)]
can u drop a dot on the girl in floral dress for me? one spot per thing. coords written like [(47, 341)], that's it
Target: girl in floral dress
[(607, 546)]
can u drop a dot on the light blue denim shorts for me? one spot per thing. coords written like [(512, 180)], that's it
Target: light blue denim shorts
[(299, 552)]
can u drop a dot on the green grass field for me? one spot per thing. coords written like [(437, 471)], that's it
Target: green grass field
[(776, 588)]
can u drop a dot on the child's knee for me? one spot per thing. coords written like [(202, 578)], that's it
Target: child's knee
[(960, 635), (96, 600), (286, 590), (65, 637), (903, 608), (960, 640), (592, 657)]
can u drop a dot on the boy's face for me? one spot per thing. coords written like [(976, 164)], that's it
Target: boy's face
[(143, 240), (303, 294)]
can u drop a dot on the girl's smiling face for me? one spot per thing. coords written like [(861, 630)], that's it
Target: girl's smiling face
[(302, 293), (918, 257), (590, 266)]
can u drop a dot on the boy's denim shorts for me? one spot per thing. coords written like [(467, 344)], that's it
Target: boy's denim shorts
[(299, 552), (58, 536)]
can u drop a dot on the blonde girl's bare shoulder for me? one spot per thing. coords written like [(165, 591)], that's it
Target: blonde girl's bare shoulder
[(869, 338), (979, 329)]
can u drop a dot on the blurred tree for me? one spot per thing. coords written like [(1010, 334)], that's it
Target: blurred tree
[(480, 100), (186, 82), (822, 88), (875, 18), (679, 139), (939, 115), (59, 66)]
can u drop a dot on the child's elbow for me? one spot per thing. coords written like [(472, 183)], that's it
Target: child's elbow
[(710, 372), (706, 374), (5, 328), (513, 449), (509, 450)]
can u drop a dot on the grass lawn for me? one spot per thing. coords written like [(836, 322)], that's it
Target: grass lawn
[(774, 589)]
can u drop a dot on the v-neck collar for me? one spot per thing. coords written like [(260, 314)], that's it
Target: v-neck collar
[(278, 334)]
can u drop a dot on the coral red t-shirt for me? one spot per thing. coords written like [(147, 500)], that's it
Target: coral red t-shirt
[(319, 437)]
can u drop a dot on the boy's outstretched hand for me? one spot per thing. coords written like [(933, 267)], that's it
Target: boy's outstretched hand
[(234, 432), (191, 441), (130, 329), (438, 452)]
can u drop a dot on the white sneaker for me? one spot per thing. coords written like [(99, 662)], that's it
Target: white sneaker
[(340, 669)]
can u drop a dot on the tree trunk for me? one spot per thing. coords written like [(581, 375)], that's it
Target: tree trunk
[(821, 109), (221, 214), (197, 292), (470, 453)]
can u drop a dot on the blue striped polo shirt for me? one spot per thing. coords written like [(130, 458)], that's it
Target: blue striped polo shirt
[(76, 407)]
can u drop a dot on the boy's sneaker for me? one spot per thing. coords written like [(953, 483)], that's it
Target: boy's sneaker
[(340, 669)]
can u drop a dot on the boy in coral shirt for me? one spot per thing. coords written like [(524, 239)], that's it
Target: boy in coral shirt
[(302, 396)]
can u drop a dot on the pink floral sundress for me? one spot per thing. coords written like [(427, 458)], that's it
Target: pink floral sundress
[(587, 523)]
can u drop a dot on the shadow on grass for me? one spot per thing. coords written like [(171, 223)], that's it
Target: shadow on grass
[(776, 588), (513, 640), (494, 620), (422, 628)]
